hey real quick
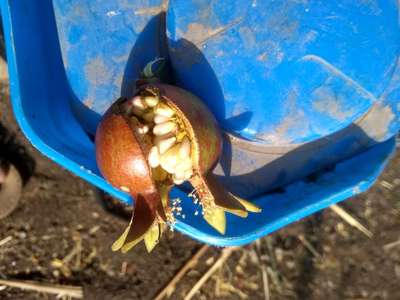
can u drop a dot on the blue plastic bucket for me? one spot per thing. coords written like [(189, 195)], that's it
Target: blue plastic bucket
[(307, 94)]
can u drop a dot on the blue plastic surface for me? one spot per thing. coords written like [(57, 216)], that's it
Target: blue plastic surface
[(104, 44), (304, 82), (286, 72)]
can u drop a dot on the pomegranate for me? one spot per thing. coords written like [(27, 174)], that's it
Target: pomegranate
[(161, 137)]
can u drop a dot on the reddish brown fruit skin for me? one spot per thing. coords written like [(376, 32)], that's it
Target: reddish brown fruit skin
[(197, 116), (121, 159)]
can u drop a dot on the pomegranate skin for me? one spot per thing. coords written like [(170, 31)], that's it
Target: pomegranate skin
[(122, 160)]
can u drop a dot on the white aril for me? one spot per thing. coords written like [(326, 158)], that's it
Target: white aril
[(184, 151), (164, 128), (143, 130), (154, 157), (158, 119), (164, 110), (151, 101), (185, 164), (168, 165), (177, 180), (188, 174), (164, 144), (179, 174), (170, 159), (138, 102)]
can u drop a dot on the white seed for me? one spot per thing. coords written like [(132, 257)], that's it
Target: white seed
[(164, 128), (158, 119), (179, 174), (185, 164), (184, 151), (164, 110), (170, 159), (168, 165), (188, 174), (154, 157), (164, 144), (151, 101), (177, 180), (138, 102), (143, 130)]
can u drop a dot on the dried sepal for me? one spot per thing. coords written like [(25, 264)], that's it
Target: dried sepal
[(117, 245), (215, 216), (129, 245), (251, 207), (142, 218), (152, 236)]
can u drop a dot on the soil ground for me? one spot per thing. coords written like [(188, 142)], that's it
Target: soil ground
[(60, 213)]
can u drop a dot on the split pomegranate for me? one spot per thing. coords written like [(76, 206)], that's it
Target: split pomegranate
[(161, 137)]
